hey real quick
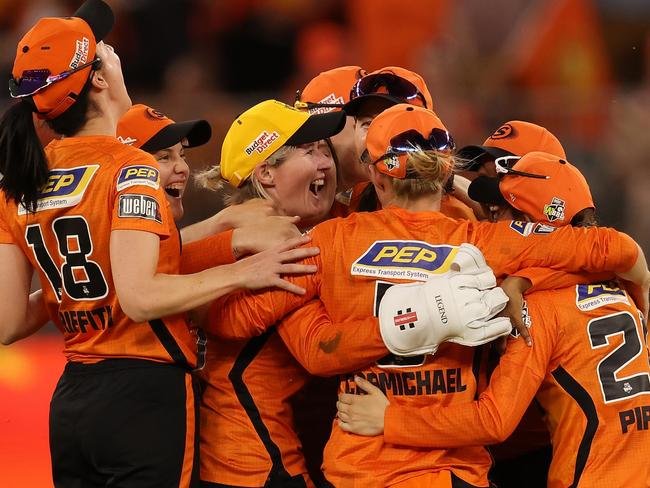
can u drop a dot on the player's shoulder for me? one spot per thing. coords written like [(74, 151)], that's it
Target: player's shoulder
[(128, 155), (132, 166)]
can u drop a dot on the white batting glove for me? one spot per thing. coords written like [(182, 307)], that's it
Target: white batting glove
[(458, 306)]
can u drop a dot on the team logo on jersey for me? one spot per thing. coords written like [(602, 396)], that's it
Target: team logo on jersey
[(591, 297), (555, 210), (261, 142), (139, 206), (139, 174), (408, 260), (521, 227), (525, 316), (64, 188)]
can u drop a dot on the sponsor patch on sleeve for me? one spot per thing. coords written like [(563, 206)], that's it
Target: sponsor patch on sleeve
[(543, 229), (521, 227), (591, 297), (139, 207), (139, 174)]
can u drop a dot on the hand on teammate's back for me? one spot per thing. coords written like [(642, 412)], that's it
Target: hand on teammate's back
[(515, 287), (362, 414), (265, 269)]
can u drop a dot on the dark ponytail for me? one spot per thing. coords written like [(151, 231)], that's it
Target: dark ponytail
[(22, 160), (23, 163)]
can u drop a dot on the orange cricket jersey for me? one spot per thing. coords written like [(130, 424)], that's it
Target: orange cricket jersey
[(247, 431), (96, 185), (360, 257), (590, 358)]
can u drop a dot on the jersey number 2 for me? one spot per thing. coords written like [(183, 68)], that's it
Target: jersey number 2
[(600, 330), (81, 278)]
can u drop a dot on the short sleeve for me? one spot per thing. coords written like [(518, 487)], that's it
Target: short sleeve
[(139, 201)]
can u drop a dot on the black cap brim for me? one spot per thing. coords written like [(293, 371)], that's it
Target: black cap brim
[(485, 189), (98, 15), (478, 155), (353, 107), (317, 127), (197, 133)]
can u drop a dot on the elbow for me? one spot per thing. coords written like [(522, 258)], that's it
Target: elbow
[(499, 433), (12, 331), (137, 309), (138, 315), (9, 335), (500, 436), (8, 339), (316, 368)]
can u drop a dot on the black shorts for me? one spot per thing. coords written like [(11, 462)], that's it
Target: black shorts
[(124, 423)]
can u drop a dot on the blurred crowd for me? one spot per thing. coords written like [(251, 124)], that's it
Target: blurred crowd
[(581, 68)]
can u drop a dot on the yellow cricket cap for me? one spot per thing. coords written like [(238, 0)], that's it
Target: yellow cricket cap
[(263, 129)]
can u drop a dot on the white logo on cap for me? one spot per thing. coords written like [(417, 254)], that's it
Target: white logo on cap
[(261, 143), (329, 99), (126, 140), (80, 53)]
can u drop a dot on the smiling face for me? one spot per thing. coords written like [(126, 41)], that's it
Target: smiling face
[(174, 173), (304, 184)]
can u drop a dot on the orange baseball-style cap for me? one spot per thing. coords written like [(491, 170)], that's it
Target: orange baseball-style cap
[(392, 83), (330, 90), (402, 129), (51, 57), (514, 138), (544, 186), (148, 129)]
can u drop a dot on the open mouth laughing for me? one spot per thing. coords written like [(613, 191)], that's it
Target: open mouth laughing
[(175, 190), (316, 186)]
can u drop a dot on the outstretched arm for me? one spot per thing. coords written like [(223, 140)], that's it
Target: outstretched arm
[(327, 348), (489, 420), (145, 294)]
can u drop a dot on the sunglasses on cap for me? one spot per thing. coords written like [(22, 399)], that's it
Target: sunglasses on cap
[(412, 140), (395, 86), (503, 166), (35, 80)]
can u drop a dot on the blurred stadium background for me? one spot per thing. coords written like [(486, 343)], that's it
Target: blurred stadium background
[(581, 68)]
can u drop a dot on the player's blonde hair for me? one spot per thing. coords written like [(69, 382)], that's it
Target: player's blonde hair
[(428, 173), (211, 179)]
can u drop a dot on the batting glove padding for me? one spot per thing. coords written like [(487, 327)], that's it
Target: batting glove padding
[(458, 306)]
